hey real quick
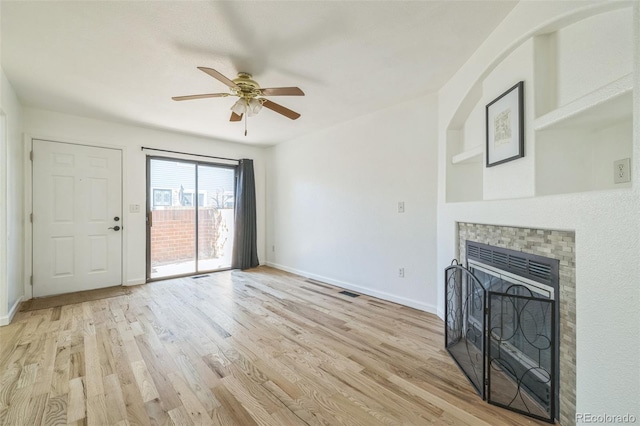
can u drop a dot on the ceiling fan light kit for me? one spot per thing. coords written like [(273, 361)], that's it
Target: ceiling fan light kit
[(251, 96), (250, 107)]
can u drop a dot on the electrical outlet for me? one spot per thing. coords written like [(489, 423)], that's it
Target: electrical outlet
[(622, 171), (400, 206), (401, 272)]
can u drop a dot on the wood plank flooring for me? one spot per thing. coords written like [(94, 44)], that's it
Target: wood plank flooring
[(260, 347)]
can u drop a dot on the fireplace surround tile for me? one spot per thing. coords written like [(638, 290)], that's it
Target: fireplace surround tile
[(554, 244)]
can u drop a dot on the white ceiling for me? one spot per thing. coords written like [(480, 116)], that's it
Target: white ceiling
[(124, 60)]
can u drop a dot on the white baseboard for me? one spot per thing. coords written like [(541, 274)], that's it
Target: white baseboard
[(364, 290), (136, 281), (440, 314), (6, 320)]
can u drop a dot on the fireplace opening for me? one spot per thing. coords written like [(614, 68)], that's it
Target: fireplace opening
[(501, 327)]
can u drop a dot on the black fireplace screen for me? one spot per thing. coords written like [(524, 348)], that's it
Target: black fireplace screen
[(464, 331), (520, 343), (502, 336)]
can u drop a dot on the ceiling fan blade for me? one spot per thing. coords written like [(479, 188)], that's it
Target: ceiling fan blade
[(235, 117), (210, 95), (280, 109), (215, 74), (282, 91)]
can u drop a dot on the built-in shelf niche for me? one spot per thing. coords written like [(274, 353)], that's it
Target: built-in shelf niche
[(465, 150), (581, 125), (578, 138), (470, 155), (608, 104), (576, 152)]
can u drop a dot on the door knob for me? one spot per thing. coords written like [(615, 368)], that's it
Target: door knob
[(115, 228)]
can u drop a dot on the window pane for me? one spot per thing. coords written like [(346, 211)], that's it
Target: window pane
[(171, 188), (215, 217)]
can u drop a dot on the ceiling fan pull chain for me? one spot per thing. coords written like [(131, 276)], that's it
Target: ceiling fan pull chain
[(245, 124)]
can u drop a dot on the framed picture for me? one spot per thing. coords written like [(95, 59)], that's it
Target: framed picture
[(505, 126)]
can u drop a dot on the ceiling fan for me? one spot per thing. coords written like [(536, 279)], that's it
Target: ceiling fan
[(251, 96)]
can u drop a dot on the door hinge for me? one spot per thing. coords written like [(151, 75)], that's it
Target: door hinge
[(31, 280), (31, 155), (31, 217)]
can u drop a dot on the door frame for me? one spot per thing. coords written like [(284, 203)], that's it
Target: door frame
[(148, 210), (28, 202), (4, 163)]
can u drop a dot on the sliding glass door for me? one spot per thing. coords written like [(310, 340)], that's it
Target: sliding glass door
[(215, 217), (190, 217), (172, 218)]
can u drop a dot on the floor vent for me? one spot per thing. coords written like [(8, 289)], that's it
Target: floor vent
[(199, 276), (348, 293)]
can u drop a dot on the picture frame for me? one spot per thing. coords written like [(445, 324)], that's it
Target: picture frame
[(505, 126)]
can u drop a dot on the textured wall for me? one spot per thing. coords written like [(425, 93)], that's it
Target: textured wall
[(333, 204), (605, 222), (12, 278), (555, 245)]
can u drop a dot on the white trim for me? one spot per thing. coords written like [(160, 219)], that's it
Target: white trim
[(28, 228), (6, 319), (4, 215), (364, 290), (28, 202), (136, 281)]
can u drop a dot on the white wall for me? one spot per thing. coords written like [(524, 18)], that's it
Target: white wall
[(4, 291), (518, 66), (576, 72), (606, 224), (333, 204), (67, 128), (11, 182)]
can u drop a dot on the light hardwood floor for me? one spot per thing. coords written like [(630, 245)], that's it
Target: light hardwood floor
[(236, 348)]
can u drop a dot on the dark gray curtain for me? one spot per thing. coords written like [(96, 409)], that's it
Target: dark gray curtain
[(245, 247)]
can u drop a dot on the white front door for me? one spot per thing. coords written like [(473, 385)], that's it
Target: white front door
[(77, 196)]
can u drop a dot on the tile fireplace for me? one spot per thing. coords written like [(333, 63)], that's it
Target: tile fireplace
[(501, 328), (516, 317)]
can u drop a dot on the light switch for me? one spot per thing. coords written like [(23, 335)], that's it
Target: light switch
[(400, 206), (134, 208)]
